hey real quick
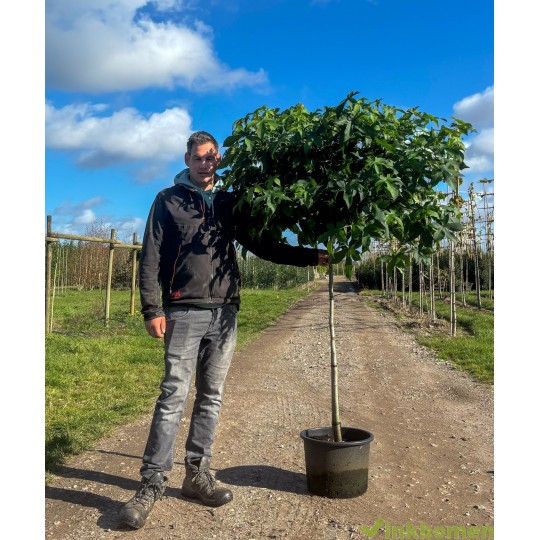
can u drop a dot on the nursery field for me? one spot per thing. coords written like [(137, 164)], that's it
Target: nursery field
[(431, 461), (98, 377), (471, 349)]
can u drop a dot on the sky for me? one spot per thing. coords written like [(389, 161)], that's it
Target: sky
[(127, 81), (99, 98)]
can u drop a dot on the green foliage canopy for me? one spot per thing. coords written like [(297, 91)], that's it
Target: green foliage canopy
[(347, 175)]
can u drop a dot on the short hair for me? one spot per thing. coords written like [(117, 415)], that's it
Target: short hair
[(201, 137)]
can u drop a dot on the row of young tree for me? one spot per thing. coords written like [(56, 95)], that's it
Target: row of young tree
[(444, 278), (256, 273), (455, 268), (83, 265), (472, 251), (472, 274)]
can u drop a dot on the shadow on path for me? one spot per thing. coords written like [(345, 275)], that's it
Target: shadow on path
[(107, 506), (264, 476)]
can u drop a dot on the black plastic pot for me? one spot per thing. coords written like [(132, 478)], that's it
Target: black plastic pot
[(338, 470)]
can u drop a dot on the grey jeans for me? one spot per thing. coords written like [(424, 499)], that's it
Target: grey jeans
[(200, 341)]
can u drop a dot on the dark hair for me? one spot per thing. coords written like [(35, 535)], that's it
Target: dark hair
[(201, 137)]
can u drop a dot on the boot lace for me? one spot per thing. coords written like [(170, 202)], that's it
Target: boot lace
[(147, 494), (205, 479)]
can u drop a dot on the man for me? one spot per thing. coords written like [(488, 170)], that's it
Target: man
[(189, 285)]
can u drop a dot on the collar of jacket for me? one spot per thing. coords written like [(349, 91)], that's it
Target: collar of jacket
[(183, 179)]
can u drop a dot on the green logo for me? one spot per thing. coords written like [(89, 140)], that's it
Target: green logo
[(370, 532), (410, 531)]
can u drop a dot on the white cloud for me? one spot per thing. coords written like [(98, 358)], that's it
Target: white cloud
[(483, 143), (67, 208), (83, 218), (87, 217), (478, 164), (70, 218), (125, 136), (480, 152), (73, 218), (477, 109), (127, 226), (114, 45)]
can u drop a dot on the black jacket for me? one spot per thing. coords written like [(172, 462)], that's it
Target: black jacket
[(188, 253)]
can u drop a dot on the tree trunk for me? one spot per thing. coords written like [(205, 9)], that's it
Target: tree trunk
[(421, 288), (475, 247), (439, 277), (432, 312), (336, 421), (389, 284), (461, 278), (466, 270), (452, 277), (488, 241), (477, 282), (395, 286), (403, 303), (410, 282)]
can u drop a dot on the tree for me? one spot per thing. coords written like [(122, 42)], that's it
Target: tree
[(345, 176)]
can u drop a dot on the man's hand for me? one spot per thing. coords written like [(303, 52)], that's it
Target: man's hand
[(323, 258), (156, 327)]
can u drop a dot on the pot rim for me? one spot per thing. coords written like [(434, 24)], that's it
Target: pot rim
[(308, 435)]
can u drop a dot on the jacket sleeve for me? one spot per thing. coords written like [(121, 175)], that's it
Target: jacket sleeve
[(270, 249), (149, 265)]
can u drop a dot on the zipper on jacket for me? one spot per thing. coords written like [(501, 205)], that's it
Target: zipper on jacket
[(211, 251), (210, 285), (174, 266)]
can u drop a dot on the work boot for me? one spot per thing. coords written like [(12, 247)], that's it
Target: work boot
[(200, 484), (136, 510)]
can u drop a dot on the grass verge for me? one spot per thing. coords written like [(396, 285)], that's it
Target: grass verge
[(472, 350), (99, 377)]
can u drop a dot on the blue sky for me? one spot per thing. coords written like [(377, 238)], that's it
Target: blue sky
[(127, 81), (202, 65)]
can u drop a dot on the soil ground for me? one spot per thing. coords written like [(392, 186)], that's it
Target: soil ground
[(431, 460)]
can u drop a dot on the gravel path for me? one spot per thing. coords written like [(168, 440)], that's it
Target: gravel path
[(431, 461)]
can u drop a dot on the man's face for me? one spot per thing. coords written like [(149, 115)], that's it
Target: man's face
[(203, 162)]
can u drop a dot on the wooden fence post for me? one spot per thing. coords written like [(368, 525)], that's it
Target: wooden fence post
[(109, 276), (133, 277), (48, 252), (61, 260)]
